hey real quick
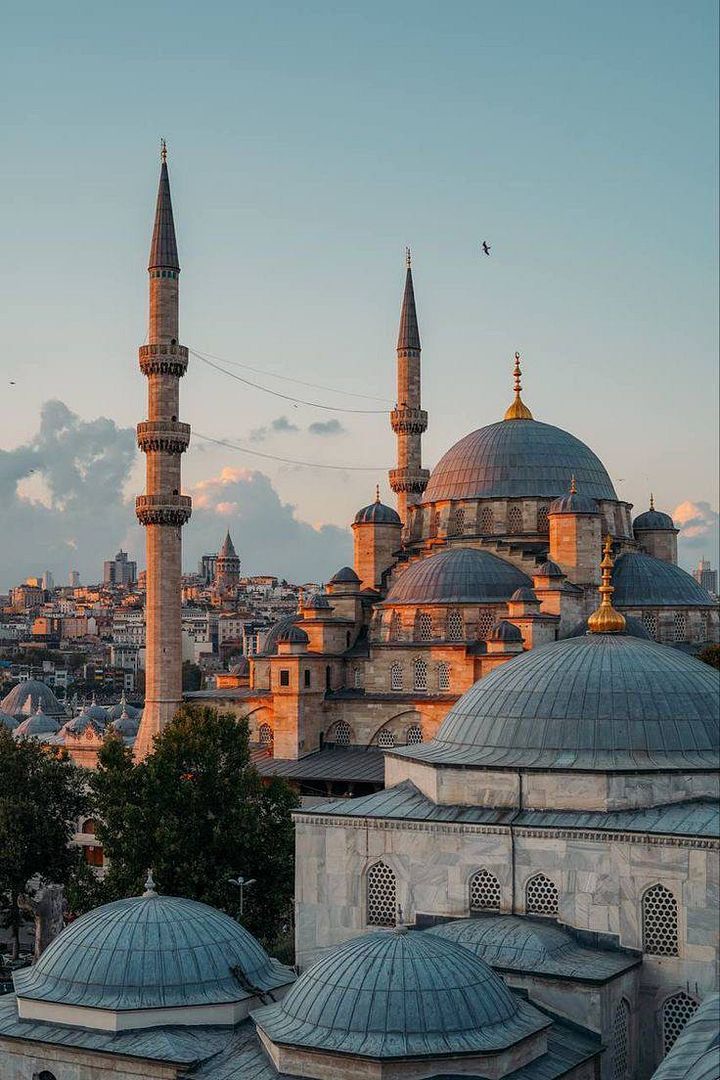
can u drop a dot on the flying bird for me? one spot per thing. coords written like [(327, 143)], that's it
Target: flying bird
[(486, 247), (12, 383)]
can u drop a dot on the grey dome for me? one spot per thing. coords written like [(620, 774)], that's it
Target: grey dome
[(377, 514), (317, 602), (653, 521), (345, 576), (600, 702), (573, 503), (518, 458), (37, 724), (114, 712), (271, 641), (643, 581), (505, 631), (85, 719), (548, 569), (148, 952), (633, 627), (457, 575), (294, 635), (25, 698), (97, 712), (127, 726), (525, 595), (398, 994), (8, 721)]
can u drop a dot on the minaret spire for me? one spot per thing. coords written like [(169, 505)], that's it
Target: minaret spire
[(408, 420), (606, 620), (518, 410)]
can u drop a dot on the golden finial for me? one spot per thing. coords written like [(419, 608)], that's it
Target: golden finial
[(377, 493), (408, 258), (652, 501), (518, 410), (573, 485), (163, 151), (606, 620)]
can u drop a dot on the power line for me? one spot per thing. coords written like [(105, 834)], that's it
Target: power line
[(289, 461), (285, 397), (288, 378)]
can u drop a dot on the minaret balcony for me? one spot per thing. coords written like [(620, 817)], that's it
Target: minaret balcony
[(407, 421), (163, 509), (163, 359), (169, 436), (412, 481)]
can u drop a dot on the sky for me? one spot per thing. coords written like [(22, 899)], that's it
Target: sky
[(308, 145)]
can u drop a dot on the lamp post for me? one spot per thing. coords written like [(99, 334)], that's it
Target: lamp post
[(242, 884)]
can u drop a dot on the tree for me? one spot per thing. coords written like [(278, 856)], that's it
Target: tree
[(198, 813), (41, 797), (710, 655)]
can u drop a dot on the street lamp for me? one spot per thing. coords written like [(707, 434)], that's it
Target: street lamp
[(242, 885)]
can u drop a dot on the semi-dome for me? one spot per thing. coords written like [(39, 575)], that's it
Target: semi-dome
[(573, 503), (548, 569), (317, 602), (600, 702), (518, 459), (456, 576), (506, 631), (378, 513), (526, 595), (394, 994), (147, 953), (24, 699), (345, 576), (271, 641), (642, 581), (294, 635)]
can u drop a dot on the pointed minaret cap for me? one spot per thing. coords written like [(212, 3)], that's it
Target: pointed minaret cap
[(606, 620), (149, 885), (163, 249), (227, 551), (409, 333), (518, 410)]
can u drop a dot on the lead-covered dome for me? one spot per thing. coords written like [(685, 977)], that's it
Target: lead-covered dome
[(378, 513), (653, 521), (600, 702), (456, 576), (643, 581), (150, 952), (394, 994), (29, 695), (518, 459)]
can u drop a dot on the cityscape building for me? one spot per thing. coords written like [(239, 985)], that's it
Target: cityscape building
[(120, 571), (706, 576)]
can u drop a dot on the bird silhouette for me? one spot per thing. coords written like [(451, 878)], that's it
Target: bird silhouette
[(486, 247)]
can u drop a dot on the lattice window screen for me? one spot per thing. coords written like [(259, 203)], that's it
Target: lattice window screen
[(423, 627), (515, 520), (265, 735), (660, 922), (420, 674), (396, 677), (543, 523), (381, 895), (443, 676), (485, 892), (357, 678), (677, 1010), (386, 739), (455, 628), (620, 1050), (649, 621), (487, 521), (414, 735), (485, 623), (395, 626), (541, 896), (680, 619), (343, 733)]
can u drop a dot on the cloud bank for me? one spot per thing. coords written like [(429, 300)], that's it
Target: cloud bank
[(699, 527)]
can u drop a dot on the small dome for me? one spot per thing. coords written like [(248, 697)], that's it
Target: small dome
[(516, 459), (317, 602), (271, 641), (573, 503), (150, 952), (457, 575), (643, 581), (294, 635), (37, 724), (84, 720), (24, 699), (548, 569), (505, 631), (524, 596), (114, 712), (8, 721), (653, 521), (378, 514), (97, 712), (127, 726), (398, 994), (601, 702), (345, 576)]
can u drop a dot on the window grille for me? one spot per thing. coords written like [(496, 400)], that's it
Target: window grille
[(395, 626), (677, 1010), (265, 735), (381, 895), (660, 922), (543, 524), (649, 621), (541, 896), (343, 733), (420, 674), (680, 620), (396, 677), (284, 677), (386, 739), (455, 628), (357, 678), (486, 621), (423, 627), (484, 891), (487, 521), (620, 1049), (515, 520), (414, 735), (443, 676), (458, 521)]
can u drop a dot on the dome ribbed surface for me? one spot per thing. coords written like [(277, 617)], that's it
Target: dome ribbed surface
[(390, 995), (573, 504), (271, 641), (652, 520), (345, 576), (8, 721), (598, 702), (643, 581), (457, 575), (548, 569), (150, 952), (37, 724), (26, 696), (518, 458), (377, 514), (294, 635), (505, 631)]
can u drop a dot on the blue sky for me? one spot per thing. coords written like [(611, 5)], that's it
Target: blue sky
[(308, 145)]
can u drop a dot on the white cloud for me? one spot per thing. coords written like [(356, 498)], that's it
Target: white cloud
[(699, 527)]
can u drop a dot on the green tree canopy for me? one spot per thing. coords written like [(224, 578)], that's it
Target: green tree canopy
[(42, 795), (198, 813), (710, 655)]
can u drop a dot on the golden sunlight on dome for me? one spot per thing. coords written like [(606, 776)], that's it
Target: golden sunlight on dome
[(518, 410)]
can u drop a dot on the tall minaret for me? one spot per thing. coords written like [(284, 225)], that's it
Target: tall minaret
[(408, 420), (162, 510)]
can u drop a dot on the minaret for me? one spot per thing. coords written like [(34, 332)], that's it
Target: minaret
[(407, 419), (162, 510)]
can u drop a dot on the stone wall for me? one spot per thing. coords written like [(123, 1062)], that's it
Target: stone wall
[(24, 1060)]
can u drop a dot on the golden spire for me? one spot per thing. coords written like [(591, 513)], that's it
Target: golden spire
[(606, 620), (518, 410), (408, 258), (573, 485), (652, 501), (163, 151)]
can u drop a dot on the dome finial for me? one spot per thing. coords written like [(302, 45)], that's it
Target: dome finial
[(606, 620), (163, 151), (573, 485), (377, 493), (149, 885), (408, 258), (652, 501), (518, 410)]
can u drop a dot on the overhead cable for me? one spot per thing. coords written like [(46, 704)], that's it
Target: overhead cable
[(289, 461)]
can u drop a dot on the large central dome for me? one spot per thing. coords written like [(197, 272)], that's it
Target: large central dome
[(518, 459)]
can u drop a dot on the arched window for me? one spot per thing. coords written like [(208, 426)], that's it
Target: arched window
[(487, 521), (93, 855), (357, 678), (423, 627), (515, 520), (44, 1074), (649, 621), (541, 896), (676, 1012), (434, 523), (381, 895), (443, 676), (420, 674), (455, 628), (485, 623), (265, 736), (89, 827), (680, 620), (457, 522), (386, 739), (620, 1047), (660, 922), (484, 891), (414, 735), (396, 676), (342, 733), (395, 626), (543, 524)]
